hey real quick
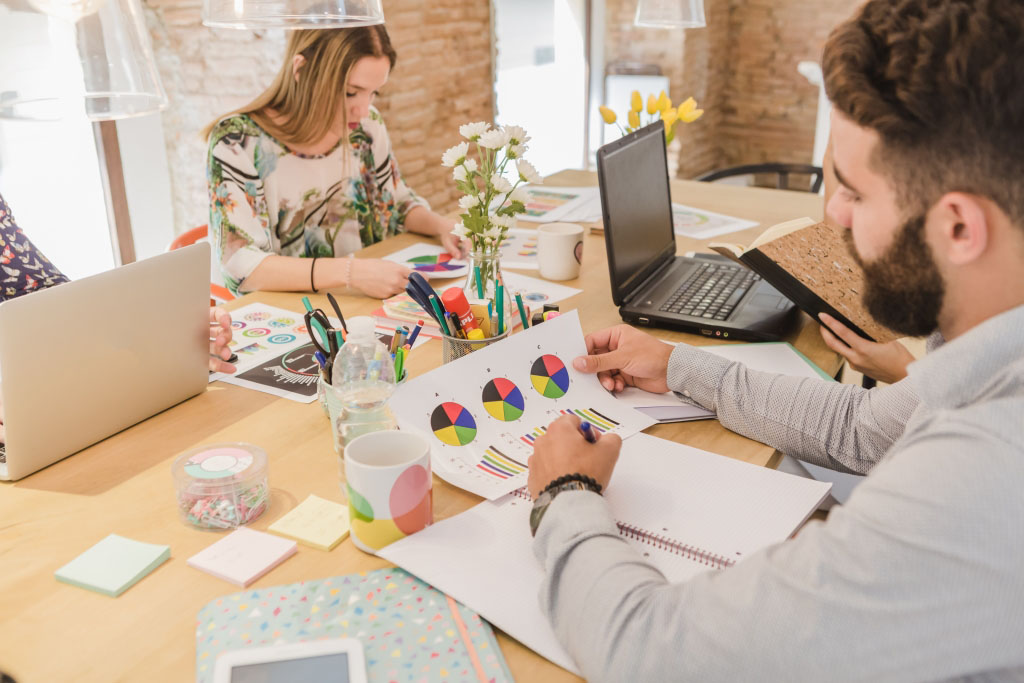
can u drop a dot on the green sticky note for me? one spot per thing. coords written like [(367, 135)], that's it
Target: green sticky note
[(113, 565)]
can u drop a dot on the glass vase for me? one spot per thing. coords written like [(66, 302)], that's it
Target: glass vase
[(481, 284)]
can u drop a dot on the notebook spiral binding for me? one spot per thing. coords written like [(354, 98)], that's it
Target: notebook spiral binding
[(665, 543), (673, 546)]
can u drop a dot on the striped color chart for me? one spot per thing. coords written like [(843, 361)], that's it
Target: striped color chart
[(600, 423), (499, 465)]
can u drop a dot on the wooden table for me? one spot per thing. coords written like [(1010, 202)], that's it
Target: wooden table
[(50, 631)]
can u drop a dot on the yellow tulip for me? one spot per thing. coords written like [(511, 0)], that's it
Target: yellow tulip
[(636, 102), (607, 114), (634, 119), (692, 116), (670, 117), (663, 101), (652, 104)]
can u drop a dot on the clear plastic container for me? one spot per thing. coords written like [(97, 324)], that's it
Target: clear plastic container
[(362, 381), (221, 486)]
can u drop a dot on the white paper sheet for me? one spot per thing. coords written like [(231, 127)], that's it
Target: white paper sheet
[(537, 292), (722, 508), (557, 204), (532, 372), (432, 261), (701, 224)]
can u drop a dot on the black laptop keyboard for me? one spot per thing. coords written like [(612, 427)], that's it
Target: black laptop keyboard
[(711, 291)]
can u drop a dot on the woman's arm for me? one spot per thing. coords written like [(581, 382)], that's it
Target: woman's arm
[(373, 277)]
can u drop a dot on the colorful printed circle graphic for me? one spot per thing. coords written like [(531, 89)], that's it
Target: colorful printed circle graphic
[(218, 463), (257, 316), (301, 329), (256, 332), (549, 376), (237, 324), (536, 297), (301, 361), (282, 322), (453, 424), (281, 338), (433, 264), (503, 400)]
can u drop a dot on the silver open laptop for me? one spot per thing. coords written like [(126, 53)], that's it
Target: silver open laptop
[(86, 359)]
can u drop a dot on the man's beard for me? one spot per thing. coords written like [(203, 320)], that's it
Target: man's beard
[(903, 288)]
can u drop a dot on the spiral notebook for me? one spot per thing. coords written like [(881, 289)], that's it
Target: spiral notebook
[(687, 511)]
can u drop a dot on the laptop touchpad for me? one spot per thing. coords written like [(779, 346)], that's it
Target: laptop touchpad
[(766, 301)]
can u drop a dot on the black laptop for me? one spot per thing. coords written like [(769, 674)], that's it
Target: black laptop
[(709, 295)]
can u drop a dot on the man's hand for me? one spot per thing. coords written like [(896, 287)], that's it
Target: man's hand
[(884, 362), (563, 450), (220, 337), (623, 356)]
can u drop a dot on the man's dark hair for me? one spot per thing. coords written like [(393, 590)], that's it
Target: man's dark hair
[(942, 83)]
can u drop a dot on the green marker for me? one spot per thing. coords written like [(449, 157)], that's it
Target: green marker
[(479, 283), (440, 316), (309, 306), (522, 310)]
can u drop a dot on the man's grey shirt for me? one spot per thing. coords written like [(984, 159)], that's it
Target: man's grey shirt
[(920, 576)]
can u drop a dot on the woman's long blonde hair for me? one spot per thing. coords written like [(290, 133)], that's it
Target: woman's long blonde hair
[(306, 106)]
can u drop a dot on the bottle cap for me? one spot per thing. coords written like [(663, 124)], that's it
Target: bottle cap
[(360, 329), (475, 334)]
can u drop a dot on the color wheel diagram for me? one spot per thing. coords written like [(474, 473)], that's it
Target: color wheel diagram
[(503, 400), (453, 424), (549, 376), (433, 264)]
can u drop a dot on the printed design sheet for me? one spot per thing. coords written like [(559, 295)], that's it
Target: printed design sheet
[(701, 224), (569, 204), (430, 261), (482, 413)]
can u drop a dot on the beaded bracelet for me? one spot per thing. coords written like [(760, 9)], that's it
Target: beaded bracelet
[(348, 273), (582, 478)]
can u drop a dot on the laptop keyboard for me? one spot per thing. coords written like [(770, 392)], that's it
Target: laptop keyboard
[(711, 291)]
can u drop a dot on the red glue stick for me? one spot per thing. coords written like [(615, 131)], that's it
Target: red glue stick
[(454, 300)]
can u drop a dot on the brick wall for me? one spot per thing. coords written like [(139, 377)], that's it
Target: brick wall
[(742, 70), (443, 79)]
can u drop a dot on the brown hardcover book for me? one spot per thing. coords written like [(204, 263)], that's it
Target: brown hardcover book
[(809, 263)]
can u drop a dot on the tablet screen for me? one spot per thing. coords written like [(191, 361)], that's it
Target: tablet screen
[(331, 668)]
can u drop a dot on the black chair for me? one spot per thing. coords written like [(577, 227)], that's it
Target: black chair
[(782, 172)]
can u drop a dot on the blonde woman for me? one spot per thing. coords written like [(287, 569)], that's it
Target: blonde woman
[(304, 175)]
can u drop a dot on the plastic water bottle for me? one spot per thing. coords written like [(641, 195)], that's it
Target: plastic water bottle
[(363, 379)]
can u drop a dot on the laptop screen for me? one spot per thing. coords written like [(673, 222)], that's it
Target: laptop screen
[(637, 207)]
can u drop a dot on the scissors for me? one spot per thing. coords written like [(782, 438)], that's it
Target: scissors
[(321, 332)]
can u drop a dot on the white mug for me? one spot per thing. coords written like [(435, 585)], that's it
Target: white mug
[(559, 250), (389, 487)]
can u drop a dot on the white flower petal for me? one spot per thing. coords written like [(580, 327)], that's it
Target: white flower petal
[(455, 155), (460, 173), (500, 184), (517, 135), (472, 131), (527, 172), (494, 139), (470, 165), (468, 202)]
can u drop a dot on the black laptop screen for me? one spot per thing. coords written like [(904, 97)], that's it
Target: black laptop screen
[(637, 207)]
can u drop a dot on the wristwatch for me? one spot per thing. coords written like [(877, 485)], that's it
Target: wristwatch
[(540, 506)]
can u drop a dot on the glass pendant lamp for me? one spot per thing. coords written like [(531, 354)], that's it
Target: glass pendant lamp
[(256, 14), (62, 58), (670, 14)]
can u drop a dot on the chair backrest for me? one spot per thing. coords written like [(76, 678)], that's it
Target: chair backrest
[(782, 171)]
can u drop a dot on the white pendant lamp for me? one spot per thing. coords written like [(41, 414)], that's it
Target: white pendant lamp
[(670, 14), (256, 14), (60, 58)]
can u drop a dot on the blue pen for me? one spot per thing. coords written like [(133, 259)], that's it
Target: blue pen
[(415, 333), (588, 432), (320, 359)]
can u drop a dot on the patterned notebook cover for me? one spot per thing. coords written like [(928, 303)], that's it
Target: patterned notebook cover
[(409, 630)]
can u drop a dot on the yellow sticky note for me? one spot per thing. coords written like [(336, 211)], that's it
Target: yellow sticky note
[(316, 522)]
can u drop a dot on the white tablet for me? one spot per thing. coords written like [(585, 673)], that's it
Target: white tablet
[(338, 660)]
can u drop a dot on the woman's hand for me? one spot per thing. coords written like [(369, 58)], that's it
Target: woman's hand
[(379, 278), (884, 362), (220, 337)]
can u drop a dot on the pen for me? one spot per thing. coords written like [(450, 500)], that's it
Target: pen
[(320, 359), (522, 310), (588, 432), (337, 309), (439, 314), (415, 333), (399, 364)]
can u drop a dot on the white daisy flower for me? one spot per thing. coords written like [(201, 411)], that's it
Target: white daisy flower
[(500, 184), (493, 232), (470, 165), (494, 139), (527, 172), (473, 131), (503, 221), (468, 202), (455, 155), (516, 151), (520, 194), (517, 135), (460, 173), (460, 230)]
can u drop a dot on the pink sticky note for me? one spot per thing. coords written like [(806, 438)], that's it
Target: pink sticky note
[(243, 556)]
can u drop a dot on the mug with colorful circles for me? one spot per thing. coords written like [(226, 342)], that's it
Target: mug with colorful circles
[(389, 487)]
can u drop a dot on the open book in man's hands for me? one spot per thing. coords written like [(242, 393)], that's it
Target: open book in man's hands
[(810, 264)]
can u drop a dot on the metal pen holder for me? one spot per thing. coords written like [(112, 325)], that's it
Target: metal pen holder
[(454, 348)]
